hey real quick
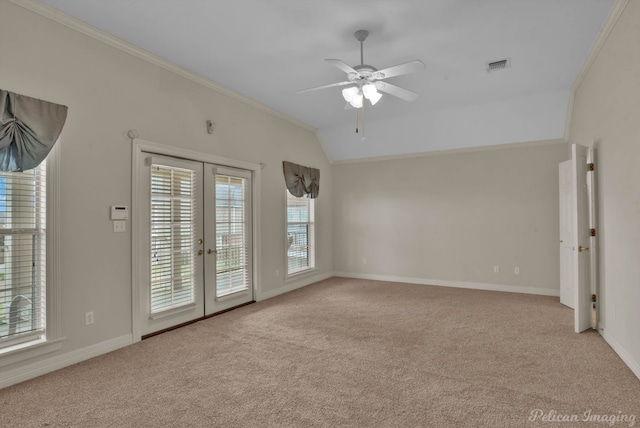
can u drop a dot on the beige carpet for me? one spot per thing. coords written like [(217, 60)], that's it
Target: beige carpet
[(347, 353)]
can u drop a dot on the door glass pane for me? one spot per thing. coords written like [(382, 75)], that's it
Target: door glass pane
[(232, 269), (172, 237)]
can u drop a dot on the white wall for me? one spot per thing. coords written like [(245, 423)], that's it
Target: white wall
[(537, 117), (450, 218), (606, 115), (109, 92)]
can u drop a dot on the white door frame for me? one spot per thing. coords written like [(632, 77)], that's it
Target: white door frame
[(138, 147), (565, 176)]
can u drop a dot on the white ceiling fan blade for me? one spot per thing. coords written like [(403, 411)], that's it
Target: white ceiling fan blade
[(396, 91), (330, 85), (342, 66), (399, 70)]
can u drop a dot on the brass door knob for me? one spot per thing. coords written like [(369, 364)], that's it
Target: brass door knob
[(200, 252), (581, 248)]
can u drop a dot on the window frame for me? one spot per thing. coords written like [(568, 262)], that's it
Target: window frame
[(51, 340), (313, 238)]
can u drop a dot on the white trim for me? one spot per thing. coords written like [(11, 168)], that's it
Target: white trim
[(312, 279), (451, 151), (54, 300), (110, 40), (625, 356), (454, 284), (603, 35), (26, 351), (138, 147), (39, 368)]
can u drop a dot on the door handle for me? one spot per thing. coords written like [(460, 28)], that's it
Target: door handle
[(209, 251), (581, 248)]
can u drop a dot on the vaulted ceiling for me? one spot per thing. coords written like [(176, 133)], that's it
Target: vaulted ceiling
[(268, 50)]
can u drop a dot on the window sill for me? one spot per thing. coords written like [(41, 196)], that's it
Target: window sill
[(298, 275), (28, 350)]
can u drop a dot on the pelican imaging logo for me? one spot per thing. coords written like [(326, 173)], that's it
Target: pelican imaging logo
[(611, 419)]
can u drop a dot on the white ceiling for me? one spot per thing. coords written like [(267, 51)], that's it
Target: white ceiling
[(268, 50)]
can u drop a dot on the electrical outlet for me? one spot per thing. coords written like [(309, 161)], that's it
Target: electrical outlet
[(88, 318), (516, 270), (496, 269), (277, 273), (364, 261)]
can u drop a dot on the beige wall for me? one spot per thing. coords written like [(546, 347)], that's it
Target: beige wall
[(606, 115), (109, 92), (452, 217)]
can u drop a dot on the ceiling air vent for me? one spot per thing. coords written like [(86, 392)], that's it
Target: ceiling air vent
[(498, 65)]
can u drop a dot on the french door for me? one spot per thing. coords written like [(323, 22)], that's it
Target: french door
[(196, 240)]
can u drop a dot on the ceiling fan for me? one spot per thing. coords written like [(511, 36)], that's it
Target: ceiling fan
[(366, 82)]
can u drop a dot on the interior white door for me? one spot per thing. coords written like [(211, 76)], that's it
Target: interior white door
[(581, 239), (228, 258), (171, 280), (567, 295)]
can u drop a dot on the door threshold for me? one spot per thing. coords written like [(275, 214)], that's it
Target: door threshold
[(155, 333)]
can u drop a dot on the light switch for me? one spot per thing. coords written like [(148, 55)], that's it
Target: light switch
[(119, 226)]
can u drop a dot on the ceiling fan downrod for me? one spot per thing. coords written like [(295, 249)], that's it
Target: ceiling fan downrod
[(361, 36)]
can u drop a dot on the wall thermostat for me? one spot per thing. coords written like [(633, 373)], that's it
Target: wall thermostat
[(119, 212)]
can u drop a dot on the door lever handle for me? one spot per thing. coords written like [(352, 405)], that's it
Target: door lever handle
[(581, 248), (209, 251)]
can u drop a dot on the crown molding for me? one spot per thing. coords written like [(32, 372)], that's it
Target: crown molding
[(110, 40)]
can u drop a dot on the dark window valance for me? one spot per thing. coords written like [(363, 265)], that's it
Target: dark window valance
[(301, 180), (29, 128)]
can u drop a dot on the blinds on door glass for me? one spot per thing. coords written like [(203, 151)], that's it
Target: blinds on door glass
[(22, 255), (232, 258), (172, 237)]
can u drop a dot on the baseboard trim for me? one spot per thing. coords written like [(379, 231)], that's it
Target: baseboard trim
[(303, 282), (625, 356), (39, 368), (454, 284)]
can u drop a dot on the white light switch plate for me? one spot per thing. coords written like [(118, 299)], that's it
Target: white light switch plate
[(119, 226)]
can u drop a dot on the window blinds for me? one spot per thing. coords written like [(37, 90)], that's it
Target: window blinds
[(232, 258), (22, 255), (172, 237), (300, 234)]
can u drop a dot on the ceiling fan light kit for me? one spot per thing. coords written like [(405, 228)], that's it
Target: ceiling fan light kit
[(366, 82)]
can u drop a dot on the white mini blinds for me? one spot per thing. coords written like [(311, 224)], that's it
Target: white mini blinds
[(172, 237), (22, 255)]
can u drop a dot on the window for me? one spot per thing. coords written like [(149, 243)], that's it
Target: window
[(22, 256), (301, 234)]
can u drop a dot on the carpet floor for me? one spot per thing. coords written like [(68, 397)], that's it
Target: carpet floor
[(349, 353)]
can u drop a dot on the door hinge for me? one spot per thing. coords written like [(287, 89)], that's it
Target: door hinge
[(591, 166), (593, 232), (594, 298)]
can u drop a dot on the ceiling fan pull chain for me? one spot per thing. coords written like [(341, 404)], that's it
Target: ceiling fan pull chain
[(363, 119), (357, 120)]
